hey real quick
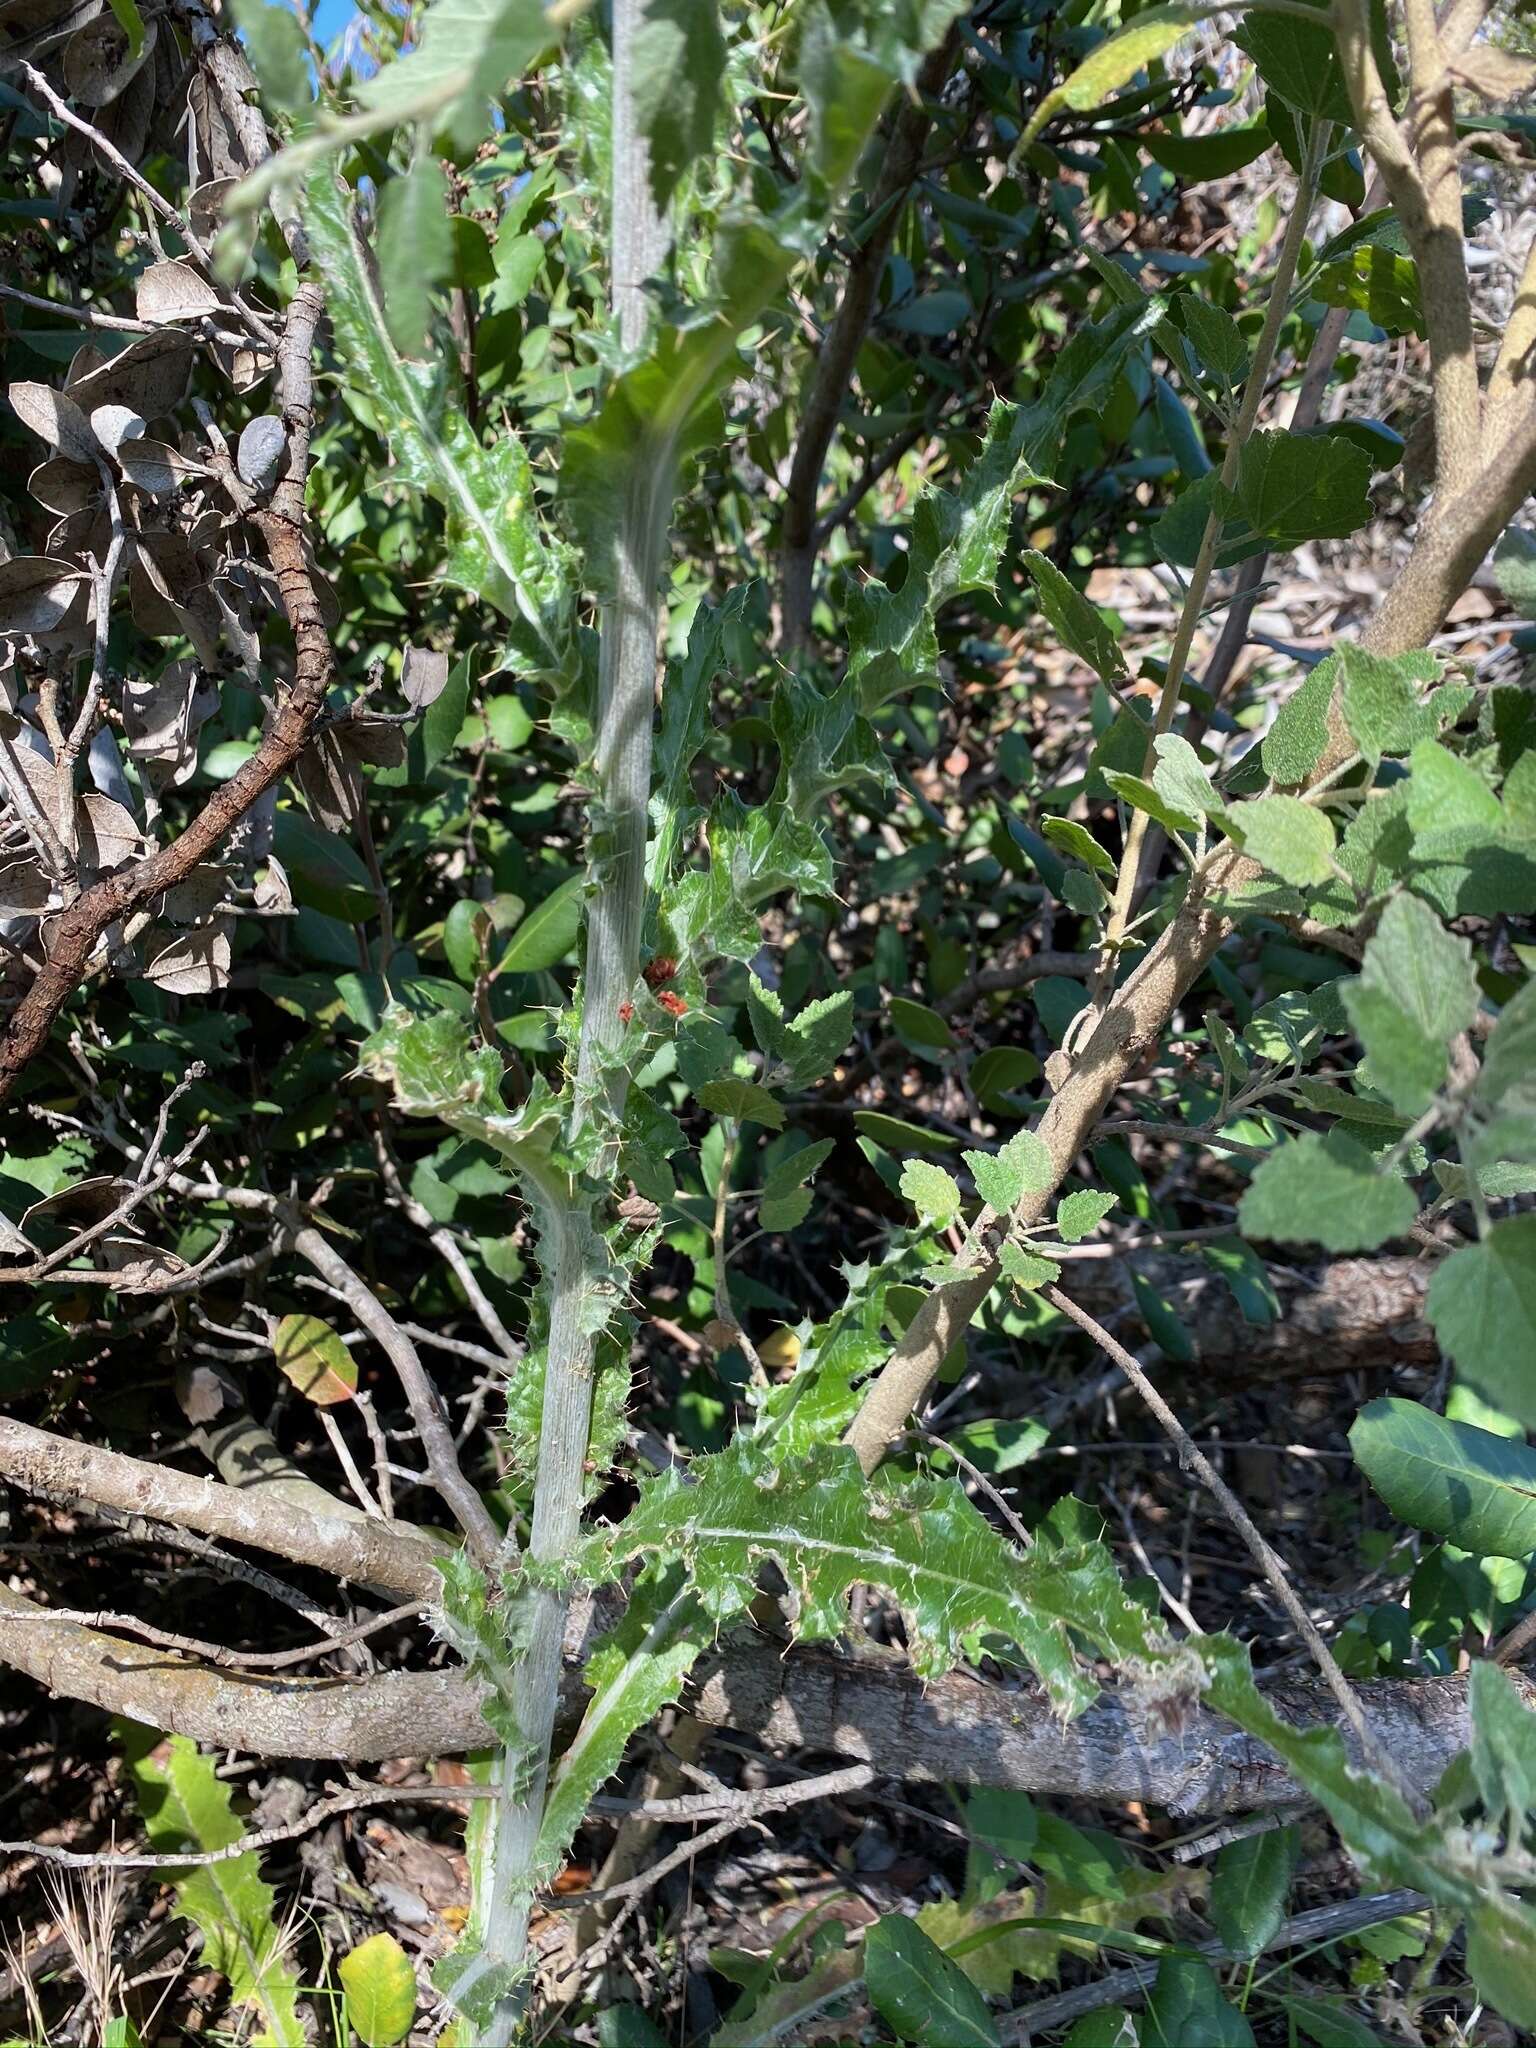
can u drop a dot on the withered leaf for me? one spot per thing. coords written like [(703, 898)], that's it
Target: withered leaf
[(97, 64), (150, 376), (315, 1360), (330, 781), (109, 833), (140, 1267), (36, 591), (154, 467), (423, 676), (54, 418), (173, 291), (262, 442), (114, 424), (189, 963)]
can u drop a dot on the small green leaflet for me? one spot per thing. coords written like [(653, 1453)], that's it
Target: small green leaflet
[(1294, 840), (1382, 699), (933, 1193), (1003, 1178), (741, 1100), (1079, 1215), (1078, 624)]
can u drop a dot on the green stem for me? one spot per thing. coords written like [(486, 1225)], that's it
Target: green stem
[(572, 1252)]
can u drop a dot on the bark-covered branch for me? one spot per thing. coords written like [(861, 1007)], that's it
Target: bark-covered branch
[(868, 1708)]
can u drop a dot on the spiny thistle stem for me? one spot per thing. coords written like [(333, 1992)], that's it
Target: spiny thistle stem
[(572, 1252)]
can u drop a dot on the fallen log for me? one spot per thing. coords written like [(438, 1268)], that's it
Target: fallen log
[(866, 1708)]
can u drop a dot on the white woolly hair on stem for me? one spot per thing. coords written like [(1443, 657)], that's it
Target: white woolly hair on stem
[(571, 1248)]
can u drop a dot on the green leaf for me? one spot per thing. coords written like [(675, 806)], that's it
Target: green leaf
[(1077, 623), (818, 1038), (381, 1990), (547, 934), (1292, 839), (742, 1101), (999, 1071), (1026, 1267), (1186, 2009), (1382, 700), (1470, 1486), (1294, 744), (678, 62), (896, 1136), (1116, 61), (313, 1359), (1328, 2024), (1003, 1178), (415, 247), (326, 874), (1181, 778), (1299, 63), (1194, 158), (1503, 1750), (1482, 1303), (634, 1671), (466, 52), (1290, 488), (933, 1193), (275, 44), (1327, 1191), (1416, 992), (1069, 837), (1143, 796), (829, 1529), (919, 1027), (1249, 1888), (958, 536), (919, 1993), (186, 1806), (1444, 793), (1215, 337), (1079, 1215), (496, 548)]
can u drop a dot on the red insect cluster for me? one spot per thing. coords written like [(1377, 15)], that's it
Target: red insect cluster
[(673, 1005), (626, 1011), (660, 970)]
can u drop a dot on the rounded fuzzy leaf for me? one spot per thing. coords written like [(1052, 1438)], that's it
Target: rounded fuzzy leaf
[(933, 1193), (313, 1358), (1293, 840), (1327, 1191), (1482, 1303)]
